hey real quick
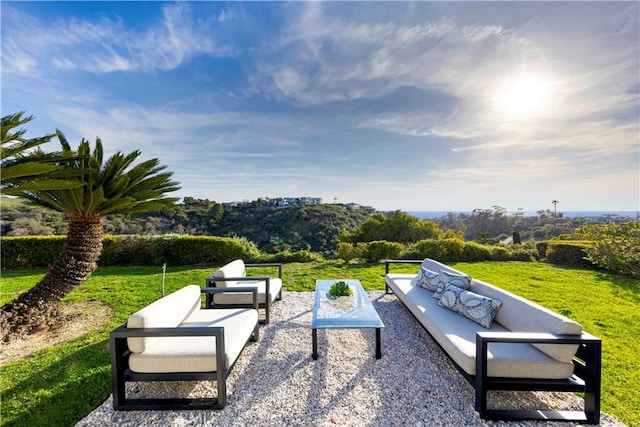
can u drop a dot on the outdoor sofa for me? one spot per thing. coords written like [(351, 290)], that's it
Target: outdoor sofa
[(522, 346), (174, 339), (234, 274)]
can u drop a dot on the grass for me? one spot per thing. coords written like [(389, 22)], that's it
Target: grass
[(60, 385)]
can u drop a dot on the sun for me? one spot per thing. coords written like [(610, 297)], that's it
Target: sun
[(524, 96)]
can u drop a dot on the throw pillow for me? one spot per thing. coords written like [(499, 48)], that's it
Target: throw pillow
[(478, 308), (428, 279), (460, 280)]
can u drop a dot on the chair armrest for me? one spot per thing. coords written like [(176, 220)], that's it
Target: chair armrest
[(387, 262), (240, 289), (589, 350), (194, 331), (268, 264)]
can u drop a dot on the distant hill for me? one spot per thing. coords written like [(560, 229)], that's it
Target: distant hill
[(272, 229)]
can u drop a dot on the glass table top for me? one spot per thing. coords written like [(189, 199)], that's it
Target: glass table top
[(355, 311)]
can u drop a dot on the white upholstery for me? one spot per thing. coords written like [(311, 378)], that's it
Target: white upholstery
[(275, 285), (167, 312), (235, 268), (181, 309), (198, 354), (457, 334)]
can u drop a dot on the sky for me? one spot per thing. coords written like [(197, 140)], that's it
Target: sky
[(419, 106)]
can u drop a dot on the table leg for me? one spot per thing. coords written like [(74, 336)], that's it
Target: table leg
[(314, 344), (378, 346)]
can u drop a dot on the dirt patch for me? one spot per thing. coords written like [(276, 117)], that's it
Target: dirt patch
[(78, 319)]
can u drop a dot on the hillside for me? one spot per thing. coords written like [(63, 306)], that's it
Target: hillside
[(273, 229)]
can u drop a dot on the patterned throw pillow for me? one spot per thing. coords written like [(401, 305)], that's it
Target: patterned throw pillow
[(478, 308), (460, 280), (428, 279)]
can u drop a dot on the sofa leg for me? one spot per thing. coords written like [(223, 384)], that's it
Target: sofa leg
[(118, 348)]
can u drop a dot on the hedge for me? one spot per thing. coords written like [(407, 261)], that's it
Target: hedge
[(570, 253), (41, 251)]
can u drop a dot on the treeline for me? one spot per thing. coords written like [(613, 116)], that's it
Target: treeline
[(313, 228)]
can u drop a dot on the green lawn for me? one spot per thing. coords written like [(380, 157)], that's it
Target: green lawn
[(59, 386)]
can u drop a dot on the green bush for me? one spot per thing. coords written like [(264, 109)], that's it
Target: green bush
[(473, 251), (288, 256), (347, 252), (379, 250), (173, 249), (500, 253), (445, 250), (614, 247), (30, 251), (569, 253)]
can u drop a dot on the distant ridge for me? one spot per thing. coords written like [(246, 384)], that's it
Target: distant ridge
[(570, 214)]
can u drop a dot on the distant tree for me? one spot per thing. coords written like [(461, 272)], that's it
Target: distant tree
[(111, 187), (398, 227)]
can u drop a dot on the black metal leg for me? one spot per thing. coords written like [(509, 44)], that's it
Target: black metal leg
[(378, 346), (314, 344)]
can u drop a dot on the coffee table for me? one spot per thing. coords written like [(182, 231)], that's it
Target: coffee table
[(352, 314)]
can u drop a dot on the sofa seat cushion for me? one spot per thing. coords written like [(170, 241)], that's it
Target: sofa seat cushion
[(198, 354), (275, 285), (235, 268), (457, 336), (167, 312)]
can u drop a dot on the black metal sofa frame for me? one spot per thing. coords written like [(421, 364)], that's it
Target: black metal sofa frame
[(586, 378), (121, 374), (210, 282)]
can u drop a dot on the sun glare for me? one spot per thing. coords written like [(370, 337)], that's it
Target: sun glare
[(523, 97)]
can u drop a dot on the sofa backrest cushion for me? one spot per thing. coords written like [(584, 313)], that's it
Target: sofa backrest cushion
[(235, 268), (521, 315), (518, 314), (167, 312)]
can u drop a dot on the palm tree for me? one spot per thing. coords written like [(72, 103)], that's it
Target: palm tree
[(24, 166), (555, 211), (111, 187)]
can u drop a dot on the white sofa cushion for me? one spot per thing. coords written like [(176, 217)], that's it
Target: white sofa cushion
[(167, 312), (520, 315), (457, 336), (235, 268), (198, 354), (275, 285)]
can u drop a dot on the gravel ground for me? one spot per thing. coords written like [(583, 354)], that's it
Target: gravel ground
[(276, 383)]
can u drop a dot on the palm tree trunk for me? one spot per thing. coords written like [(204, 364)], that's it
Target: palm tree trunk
[(37, 308)]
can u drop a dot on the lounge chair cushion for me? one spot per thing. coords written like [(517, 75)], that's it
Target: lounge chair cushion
[(197, 354), (275, 285), (235, 268), (167, 312)]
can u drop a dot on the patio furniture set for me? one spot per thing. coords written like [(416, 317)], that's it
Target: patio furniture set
[(497, 340)]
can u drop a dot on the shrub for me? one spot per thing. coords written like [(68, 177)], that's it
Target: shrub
[(473, 251), (347, 252), (288, 256), (30, 251), (569, 253), (379, 250), (445, 250), (615, 246), (500, 253), (40, 251)]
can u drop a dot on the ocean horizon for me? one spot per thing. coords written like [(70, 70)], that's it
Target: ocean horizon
[(568, 214)]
